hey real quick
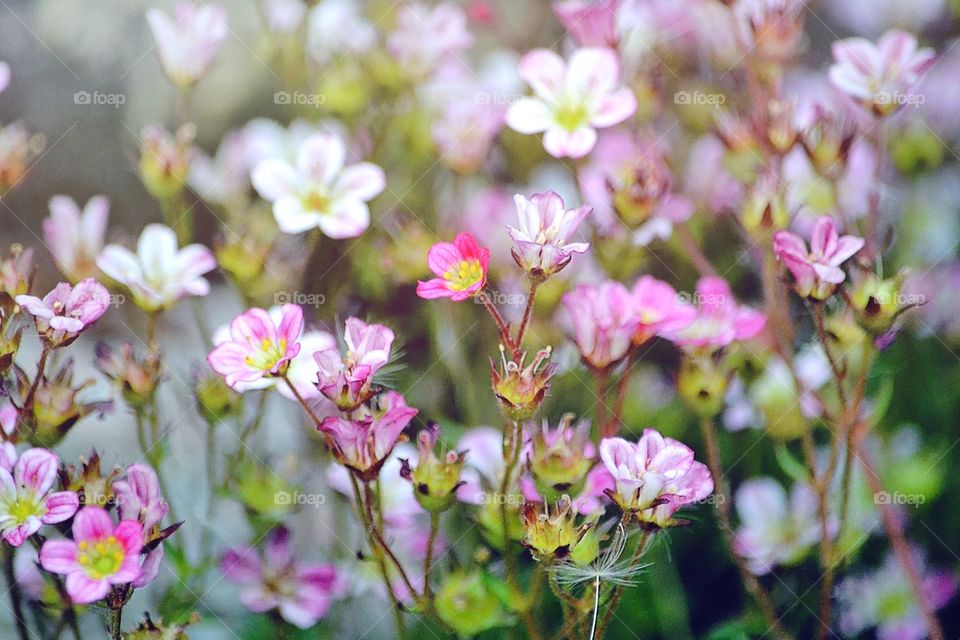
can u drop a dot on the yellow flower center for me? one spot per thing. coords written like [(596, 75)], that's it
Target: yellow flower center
[(571, 115), (267, 355), (25, 507), (464, 274), (101, 558), (316, 200)]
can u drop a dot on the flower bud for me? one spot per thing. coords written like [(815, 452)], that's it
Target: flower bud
[(136, 379), (765, 208), (55, 407), (520, 389), (560, 458), (165, 160), (217, 400), (435, 479), (916, 149), (468, 604), (157, 630), (827, 141), (89, 481), (702, 384), (16, 275), (877, 303), (775, 395), (550, 537), (780, 133)]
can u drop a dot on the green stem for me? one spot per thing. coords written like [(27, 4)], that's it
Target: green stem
[(115, 624), (428, 560), (527, 315)]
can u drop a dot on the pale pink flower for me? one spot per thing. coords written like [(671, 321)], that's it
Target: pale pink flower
[(658, 309), (816, 272), (346, 379), (774, 529), (363, 439), (590, 23), (573, 99), (602, 322), (720, 320), (8, 423), (26, 500), (465, 132), (318, 191), (75, 238), (160, 273), (541, 244), (461, 269), (655, 475), (879, 76), (258, 346), (67, 311), (283, 16), (188, 42), (99, 556), (336, 27), (276, 580), (4, 76), (139, 498), (427, 36)]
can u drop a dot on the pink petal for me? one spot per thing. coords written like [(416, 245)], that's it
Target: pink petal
[(59, 556), (130, 535), (321, 157), (593, 72), (561, 143), (274, 179), (528, 116), (61, 506), (92, 523), (433, 289), (364, 181), (544, 71), (84, 590), (36, 470)]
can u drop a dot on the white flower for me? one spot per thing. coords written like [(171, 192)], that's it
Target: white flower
[(318, 191), (188, 42)]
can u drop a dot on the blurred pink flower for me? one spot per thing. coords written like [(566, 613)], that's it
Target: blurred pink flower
[(427, 36), (319, 191), (879, 76), (720, 320), (188, 42), (461, 269), (602, 322), (591, 23), (75, 238), (362, 439), (541, 244), (276, 580), (816, 272), (283, 16), (26, 502), (66, 311), (774, 530), (658, 309), (4, 76), (465, 132), (99, 556), (655, 473), (346, 379), (160, 273), (258, 346), (572, 99)]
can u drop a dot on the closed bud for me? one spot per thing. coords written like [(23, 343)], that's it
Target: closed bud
[(217, 401), (827, 141), (781, 134), (88, 480), (136, 378), (878, 303), (55, 407), (165, 160), (520, 390), (560, 458), (765, 208), (435, 478), (468, 604), (702, 384), (550, 536)]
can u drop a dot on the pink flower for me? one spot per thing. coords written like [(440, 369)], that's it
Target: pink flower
[(160, 273), (99, 556), (362, 439), (75, 238), (427, 36), (658, 309), (720, 320), (319, 191), (66, 311), (4, 76), (26, 502), (816, 272), (602, 322), (258, 346), (879, 76), (346, 379), (466, 131), (276, 580), (655, 476), (139, 498), (572, 99), (590, 24), (188, 42), (461, 268), (283, 16), (540, 244)]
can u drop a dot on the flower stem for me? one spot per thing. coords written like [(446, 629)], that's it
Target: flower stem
[(497, 318), (428, 560), (41, 365), (527, 315), (303, 403), (115, 623)]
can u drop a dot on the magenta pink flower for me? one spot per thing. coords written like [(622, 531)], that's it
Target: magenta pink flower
[(590, 24), (139, 498), (659, 309), (188, 43), (602, 322), (720, 320), (541, 244), (66, 311), (346, 379), (362, 439), (99, 556), (258, 347), (461, 269), (816, 272), (572, 99), (26, 502), (879, 76), (75, 238), (655, 476), (300, 593)]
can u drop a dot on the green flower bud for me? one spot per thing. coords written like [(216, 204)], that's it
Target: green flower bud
[(467, 604), (521, 390), (877, 303), (702, 384), (775, 395), (551, 537), (557, 459), (435, 479)]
